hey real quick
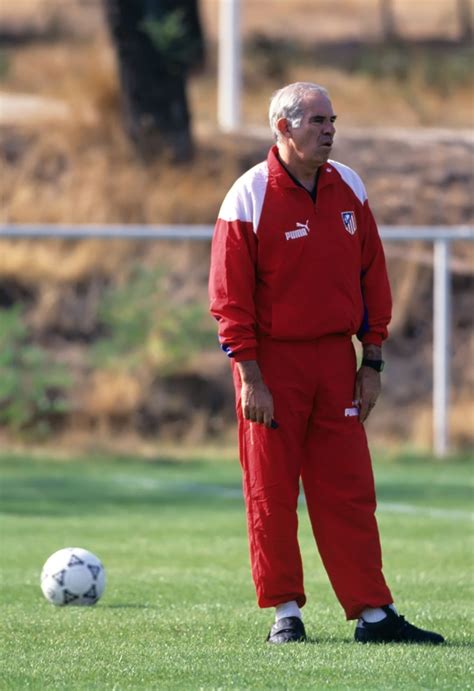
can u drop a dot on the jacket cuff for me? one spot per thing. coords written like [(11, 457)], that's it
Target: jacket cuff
[(244, 355), (372, 338)]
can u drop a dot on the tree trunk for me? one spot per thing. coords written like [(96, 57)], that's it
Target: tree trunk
[(157, 43), (466, 29), (387, 18)]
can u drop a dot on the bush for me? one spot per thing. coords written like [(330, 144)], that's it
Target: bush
[(33, 388), (148, 325)]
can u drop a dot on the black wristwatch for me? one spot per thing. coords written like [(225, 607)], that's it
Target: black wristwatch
[(377, 365)]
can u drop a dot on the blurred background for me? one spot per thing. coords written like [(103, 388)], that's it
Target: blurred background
[(108, 114)]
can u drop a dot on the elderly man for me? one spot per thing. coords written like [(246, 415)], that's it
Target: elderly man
[(297, 269)]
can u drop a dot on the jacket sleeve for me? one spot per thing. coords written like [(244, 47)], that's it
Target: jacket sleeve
[(374, 284), (232, 287)]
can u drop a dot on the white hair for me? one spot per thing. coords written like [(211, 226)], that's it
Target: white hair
[(288, 103)]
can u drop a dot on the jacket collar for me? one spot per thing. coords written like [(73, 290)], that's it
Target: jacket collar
[(327, 173)]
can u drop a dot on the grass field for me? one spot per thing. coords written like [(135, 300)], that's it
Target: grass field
[(179, 609)]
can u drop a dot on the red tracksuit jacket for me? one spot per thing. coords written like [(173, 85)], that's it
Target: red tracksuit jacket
[(295, 270)]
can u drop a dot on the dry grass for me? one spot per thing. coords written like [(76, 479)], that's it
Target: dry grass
[(57, 262), (84, 170), (77, 176), (83, 74), (330, 20), (54, 18), (309, 20), (85, 79), (362, 101)]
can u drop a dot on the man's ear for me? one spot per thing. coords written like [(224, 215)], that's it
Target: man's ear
[(284, 128)]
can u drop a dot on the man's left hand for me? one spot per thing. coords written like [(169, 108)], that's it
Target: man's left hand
[(367, 390)]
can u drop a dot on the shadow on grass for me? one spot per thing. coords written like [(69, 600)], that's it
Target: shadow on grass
[(79, 488), (82, 488), (413, 491), (50, 496)]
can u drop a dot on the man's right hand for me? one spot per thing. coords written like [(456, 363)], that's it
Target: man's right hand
[(256, 399)]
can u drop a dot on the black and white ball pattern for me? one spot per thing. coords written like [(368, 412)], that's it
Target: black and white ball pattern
[(73, 576)]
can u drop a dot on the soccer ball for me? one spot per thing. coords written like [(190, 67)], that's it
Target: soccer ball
[(73, 576)]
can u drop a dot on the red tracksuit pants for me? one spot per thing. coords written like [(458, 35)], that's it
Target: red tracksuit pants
[(319, 441)]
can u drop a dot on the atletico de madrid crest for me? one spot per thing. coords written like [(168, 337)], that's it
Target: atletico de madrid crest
[(349, 220)]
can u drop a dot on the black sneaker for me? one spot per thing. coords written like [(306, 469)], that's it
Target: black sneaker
[(394, 629), (287, 630)]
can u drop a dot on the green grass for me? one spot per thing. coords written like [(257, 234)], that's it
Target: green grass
[(179, 607)]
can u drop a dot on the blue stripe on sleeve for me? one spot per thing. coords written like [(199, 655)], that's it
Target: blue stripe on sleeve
[(364, 327), (227, 350)]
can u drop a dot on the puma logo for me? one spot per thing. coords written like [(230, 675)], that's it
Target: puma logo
[(301, 230)]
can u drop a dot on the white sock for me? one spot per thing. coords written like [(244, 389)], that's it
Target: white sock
[(287, 609), (372, 615)]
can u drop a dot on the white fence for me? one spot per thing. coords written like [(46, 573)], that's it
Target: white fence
[(440, 236)]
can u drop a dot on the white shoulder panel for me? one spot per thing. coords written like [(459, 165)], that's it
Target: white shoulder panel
[(244, 200), (351, 178)]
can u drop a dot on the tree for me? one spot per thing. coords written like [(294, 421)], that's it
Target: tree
[(387, 18), (466, 29), (157, 43)]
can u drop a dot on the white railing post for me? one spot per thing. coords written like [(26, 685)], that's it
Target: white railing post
[(441, 345), (229, 72)]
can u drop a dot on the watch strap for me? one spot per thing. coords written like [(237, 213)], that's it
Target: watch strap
[(377, 365)]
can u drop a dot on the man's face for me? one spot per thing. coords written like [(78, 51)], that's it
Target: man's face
[(312, 141)]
